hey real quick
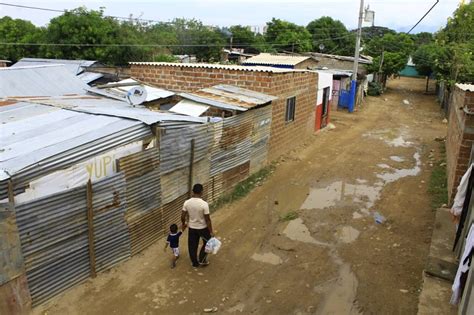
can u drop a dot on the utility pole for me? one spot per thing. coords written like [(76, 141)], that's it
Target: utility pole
[(359, 33), (353, 93)]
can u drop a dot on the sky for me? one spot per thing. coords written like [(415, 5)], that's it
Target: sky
[(400, 15)]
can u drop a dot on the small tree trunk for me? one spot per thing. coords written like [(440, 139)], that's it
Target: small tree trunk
[(427, 82)]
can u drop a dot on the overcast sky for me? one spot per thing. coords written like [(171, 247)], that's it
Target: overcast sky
[(397, 14)]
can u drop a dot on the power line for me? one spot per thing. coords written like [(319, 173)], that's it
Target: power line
[(64, 11), (423, 16)]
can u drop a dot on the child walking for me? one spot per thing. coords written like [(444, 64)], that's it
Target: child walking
[(173, 242)]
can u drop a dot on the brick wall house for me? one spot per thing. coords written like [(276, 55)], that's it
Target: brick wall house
[(460, 135), (294, 88)]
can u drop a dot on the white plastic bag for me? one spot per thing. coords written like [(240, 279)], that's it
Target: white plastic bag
[(212, 246)]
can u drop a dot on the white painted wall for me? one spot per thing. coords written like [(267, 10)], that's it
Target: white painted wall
[(324, 80)]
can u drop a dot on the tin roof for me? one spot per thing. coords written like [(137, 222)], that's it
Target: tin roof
[(465, 87), (362, 59), (153, 93), (229, 97), (269, 59), (39, 81), (215, 66), (74, 66), (109, 107), (31, 133)]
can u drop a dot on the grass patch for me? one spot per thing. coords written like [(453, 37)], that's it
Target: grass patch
[(438, 186), (244, 188), (289, 216)]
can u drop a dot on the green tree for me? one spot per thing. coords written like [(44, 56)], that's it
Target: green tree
[(20, 32), (455, 62), (332, 35), (97, 37), (243, 37), (390, 54), (424, 59), (288, 36), (422, 38), (197, 39)]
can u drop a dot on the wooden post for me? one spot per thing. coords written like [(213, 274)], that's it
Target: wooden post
[(191, 162), (11, 195), (90, 224)]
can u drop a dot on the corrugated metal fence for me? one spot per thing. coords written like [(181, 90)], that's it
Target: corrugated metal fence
[(134, 207)]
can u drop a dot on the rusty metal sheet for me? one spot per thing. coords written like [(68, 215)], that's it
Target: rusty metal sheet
[(232, 143), (174, 184), (216, 189), (232, 177), (172, 212), (142, 175), (175, 146), (111, 236), (15, 297), (11, 259), (145, 229)]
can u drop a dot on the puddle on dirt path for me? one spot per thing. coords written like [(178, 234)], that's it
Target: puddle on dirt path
[(397, 158), (400, 173), (340, 191), (399, 142), (342, 294), (394, 138), (347, 234), (296, 230), (268, 258)]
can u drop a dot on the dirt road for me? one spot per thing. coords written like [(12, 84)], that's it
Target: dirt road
[(333, 258)]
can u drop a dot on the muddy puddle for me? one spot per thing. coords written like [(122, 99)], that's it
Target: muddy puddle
[(396, 174), (269, 258), (393, 138), (397, 158), (360, 193), (341, 294), (296, 230), (340, 192)]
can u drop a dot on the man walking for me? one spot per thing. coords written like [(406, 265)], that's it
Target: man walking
[(196, 214)]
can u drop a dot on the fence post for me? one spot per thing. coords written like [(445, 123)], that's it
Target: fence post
[(191, 162), (90, 230), (11, 195)]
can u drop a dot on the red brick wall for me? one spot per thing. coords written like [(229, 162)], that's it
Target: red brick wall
[(460, 138), (284, 136)]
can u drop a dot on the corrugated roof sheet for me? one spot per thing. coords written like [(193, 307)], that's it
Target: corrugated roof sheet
[(217, 66), (465, 87), (39, 81), (362, 59), (109, 107), (269, 59), (74, 66), (31, 133), (153, 93), (229, 97), (88, 77)]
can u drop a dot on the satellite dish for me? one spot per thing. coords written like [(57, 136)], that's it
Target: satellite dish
[(136, 95)]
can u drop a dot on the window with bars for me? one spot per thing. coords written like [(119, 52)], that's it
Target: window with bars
[(290, 109)]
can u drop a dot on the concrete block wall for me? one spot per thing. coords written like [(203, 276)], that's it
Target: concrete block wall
[(284, 135), (460, 138)]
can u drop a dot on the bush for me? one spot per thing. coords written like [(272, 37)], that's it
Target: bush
[(375, 89)]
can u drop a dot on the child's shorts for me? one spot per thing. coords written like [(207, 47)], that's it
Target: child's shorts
[(175, 251)]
